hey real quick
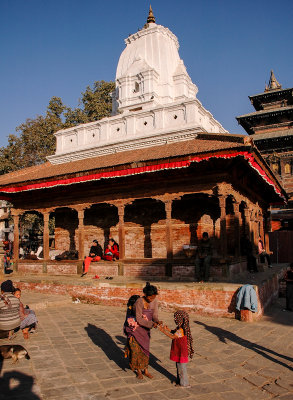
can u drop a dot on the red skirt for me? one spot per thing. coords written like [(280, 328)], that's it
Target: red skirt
[(179, 350)]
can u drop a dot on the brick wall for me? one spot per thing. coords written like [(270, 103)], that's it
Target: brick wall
[(217, 300)]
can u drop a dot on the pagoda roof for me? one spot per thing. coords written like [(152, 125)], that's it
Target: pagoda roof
[(264, 113), (273, 135), (141, 161), (272, 93)]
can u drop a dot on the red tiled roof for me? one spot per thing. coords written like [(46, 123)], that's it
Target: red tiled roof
[(184, 148)]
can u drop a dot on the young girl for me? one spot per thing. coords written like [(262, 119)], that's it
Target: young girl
[(130, 319), (28, 317), (181, 346)]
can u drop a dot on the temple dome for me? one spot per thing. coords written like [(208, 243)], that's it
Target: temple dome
[(150, 71)]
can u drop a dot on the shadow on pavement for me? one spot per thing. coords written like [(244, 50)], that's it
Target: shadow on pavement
[(224, 335), (153, 362), (103, 340), (15, 385)]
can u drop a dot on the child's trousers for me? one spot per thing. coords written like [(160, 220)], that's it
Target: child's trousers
[(182, 376)]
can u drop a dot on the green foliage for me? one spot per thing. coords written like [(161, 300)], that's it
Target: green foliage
[(36, 140)]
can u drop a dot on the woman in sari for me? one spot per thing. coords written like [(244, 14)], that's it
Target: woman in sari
[(144, 317)]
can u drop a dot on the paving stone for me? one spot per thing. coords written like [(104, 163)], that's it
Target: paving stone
[(153, 396), (275, 389), (287, 396), (257, 380), (233, 396), (285, 383), (119, 393), (69, 364)]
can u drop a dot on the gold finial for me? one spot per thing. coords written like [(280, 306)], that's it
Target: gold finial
[(273, 83), (151, 18)]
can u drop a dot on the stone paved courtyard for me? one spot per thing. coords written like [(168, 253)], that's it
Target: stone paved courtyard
[(78, 354)]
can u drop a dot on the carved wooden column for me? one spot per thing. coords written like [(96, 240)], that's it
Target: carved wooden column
[(254, 223), (121, 208), (261, 225), (223, 231), (237, 214), (15, 216), (247, 222), (169, 235), (46, 216), (80, 234)]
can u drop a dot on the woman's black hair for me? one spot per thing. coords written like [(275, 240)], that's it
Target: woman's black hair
[(132, 300), (150, 290), (114, 241)]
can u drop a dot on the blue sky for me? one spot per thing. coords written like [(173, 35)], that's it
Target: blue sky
[(58, 47)]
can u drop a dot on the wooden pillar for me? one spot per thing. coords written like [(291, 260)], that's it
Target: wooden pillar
[(237, 214), (261, 225), (247, 222), (169, 235), (80, 234), (223, 231), (46, 216), (121, 232), (16, 237), (254, 223)]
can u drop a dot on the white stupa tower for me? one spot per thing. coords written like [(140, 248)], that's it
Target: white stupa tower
[(150, 72), (154, 102)]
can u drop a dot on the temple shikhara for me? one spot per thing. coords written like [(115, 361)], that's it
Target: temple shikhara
[(154, 176)]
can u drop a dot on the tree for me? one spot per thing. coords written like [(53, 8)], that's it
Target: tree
[(36, 138), (96, 104)]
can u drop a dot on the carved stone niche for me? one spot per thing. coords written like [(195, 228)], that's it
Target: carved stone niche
[(145, 123), (92, 135), (175, 117)]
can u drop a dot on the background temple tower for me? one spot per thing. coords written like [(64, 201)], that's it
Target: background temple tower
[(271, 126)]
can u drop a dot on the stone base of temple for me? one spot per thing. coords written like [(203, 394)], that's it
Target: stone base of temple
[(208, 298), (178, 270)]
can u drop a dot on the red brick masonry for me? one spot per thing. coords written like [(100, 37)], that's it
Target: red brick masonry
[(217, 299)]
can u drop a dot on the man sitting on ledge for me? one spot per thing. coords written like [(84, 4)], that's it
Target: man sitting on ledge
[(204, 257), (95, 254)]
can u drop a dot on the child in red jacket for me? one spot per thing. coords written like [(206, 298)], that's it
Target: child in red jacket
[(181, 346)]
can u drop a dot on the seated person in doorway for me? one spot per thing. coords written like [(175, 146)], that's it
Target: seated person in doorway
[(263, 255), (204, 257), (95, 254), (112, 251)]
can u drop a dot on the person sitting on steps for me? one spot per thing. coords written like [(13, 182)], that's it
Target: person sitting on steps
[(95, 254), (112, 251), (204, 257), (263, 254)]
